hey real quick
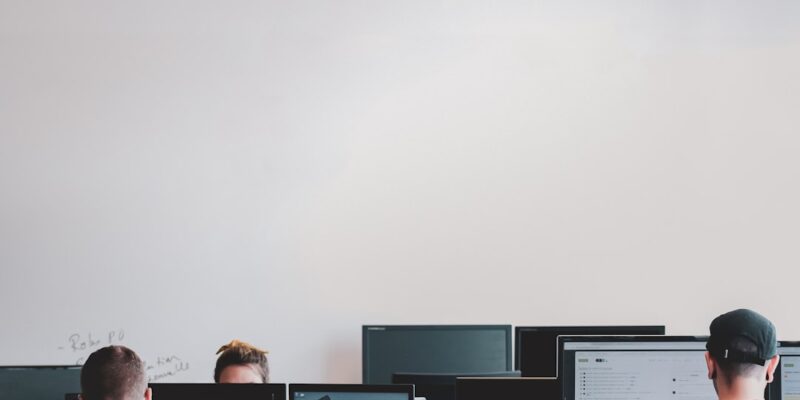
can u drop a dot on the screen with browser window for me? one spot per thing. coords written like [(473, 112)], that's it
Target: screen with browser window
[(630, 370), (787, 380)]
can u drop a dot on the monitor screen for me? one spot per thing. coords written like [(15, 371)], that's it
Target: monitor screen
[(786, 385), (39, 382), (351, 392), (536, 353), (440, 386), (434, 349), (214, 391), (633, 368), (510, 388)]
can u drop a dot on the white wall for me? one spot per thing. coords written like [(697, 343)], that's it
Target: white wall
[(283, 172)]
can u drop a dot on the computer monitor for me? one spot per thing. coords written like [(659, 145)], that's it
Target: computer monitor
[(217, 391), (434, 348), (634, 367), (435, 386), (350, 392), (508, 389), (536, 350), (786, 385), (39, 382)]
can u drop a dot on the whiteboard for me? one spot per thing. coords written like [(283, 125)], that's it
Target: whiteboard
[(178, 174)]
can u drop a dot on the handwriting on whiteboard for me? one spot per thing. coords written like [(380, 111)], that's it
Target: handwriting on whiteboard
[(83, 344), (165, 367), (80, 345)]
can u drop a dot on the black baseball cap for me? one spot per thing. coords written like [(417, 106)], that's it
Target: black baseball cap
[(742, 324)]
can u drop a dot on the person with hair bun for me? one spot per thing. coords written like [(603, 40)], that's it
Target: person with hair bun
[(241, 362)]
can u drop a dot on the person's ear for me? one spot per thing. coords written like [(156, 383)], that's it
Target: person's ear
[(148, 394), (772, 365), (712, 366)]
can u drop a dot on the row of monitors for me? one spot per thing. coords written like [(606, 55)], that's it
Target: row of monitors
[(653, 366), (466, 350), (58, 382), (387, 350), (177, 391), (591, 368), (587, 367), (204, 391)]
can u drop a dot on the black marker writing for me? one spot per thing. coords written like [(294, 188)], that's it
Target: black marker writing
[(165, 367), (80, 343)]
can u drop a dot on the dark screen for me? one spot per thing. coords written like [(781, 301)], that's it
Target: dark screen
[(442, 386), (434, 349), (39, 383), (213, 391), (508, 389), (348, 396), (537, 347), (350, 392)]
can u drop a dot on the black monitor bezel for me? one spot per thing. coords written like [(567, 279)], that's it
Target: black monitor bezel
[(437, 378), (70, 366), (617, 339), (601, 330), (365, 329), (350, 388), (461, 381), (277, 388)]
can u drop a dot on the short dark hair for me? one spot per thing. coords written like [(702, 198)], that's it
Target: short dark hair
[(113, 372), (731, 370), (241, 353)]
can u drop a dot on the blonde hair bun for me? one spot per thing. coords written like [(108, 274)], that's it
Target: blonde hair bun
[(238, 344)]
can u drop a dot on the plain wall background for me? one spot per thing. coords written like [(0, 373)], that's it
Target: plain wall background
[(286, 171)]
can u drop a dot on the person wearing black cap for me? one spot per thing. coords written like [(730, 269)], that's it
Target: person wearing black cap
[(742, 355)]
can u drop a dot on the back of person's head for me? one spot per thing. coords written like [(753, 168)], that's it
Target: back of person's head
[(241, 362), (114, 373), (734, 369), (742, 347)]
